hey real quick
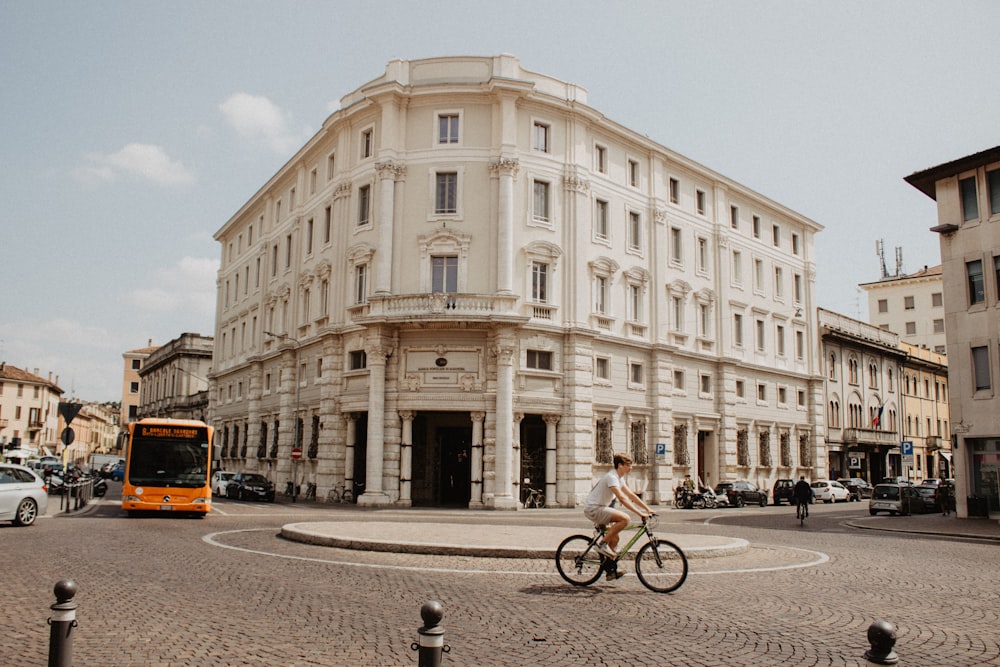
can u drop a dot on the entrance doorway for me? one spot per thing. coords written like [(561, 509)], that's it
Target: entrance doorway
[(441, 464), (532, 455)]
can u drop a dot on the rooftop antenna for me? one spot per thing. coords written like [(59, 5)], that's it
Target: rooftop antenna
[(880, 251), (899, 261)]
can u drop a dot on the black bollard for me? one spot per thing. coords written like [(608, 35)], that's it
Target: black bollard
[(62, 622), (431, 640), (882, 637)]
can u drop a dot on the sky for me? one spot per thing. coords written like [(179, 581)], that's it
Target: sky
[(130, 132)]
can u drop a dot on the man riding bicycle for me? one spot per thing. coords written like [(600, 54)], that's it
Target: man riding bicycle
[(599, 507), (803, 494)]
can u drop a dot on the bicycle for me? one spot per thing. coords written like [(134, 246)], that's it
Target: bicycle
[(660, 565), (801, 512), (311, 491), (338, 494), (535, 498)]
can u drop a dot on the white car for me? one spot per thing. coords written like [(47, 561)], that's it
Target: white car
[(23, 496), (220, 480), (829, 491)]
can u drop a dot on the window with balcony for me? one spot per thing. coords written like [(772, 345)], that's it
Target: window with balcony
[(444, 274), (539, 282)]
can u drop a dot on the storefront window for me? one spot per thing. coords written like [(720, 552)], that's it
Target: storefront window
[(986, 470)]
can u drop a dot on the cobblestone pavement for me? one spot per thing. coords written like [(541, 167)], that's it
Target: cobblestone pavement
[(226, 590)]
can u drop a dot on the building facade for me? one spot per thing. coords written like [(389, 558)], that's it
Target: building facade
[(174, 379), (911, 306), (926, 420), (469, 279), (967, 192), (132, 382), (29, 413)]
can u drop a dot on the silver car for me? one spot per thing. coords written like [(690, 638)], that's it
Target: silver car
[(220, 480), (23, 496)]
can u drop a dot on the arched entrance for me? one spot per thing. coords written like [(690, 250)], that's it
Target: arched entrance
[(442, 466)]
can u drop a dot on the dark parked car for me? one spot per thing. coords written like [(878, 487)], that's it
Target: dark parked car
[(857, 487), (741, 493), (928, 494), (784, 489), (895, 499), (250, 486)]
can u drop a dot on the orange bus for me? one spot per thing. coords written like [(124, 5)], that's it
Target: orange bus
[(167, 467)]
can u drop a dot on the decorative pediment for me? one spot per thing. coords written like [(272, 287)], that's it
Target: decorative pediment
[(604, 266), (359, 253)]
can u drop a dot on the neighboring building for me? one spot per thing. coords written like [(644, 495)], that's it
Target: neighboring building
[(967, 192), (131, 382), (174, 379), (468, 278), (911, 306), (95, 430), (925, 418), (29, 413), (863, 365)]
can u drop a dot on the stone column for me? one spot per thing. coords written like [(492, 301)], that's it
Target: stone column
[(506, 169), (352, 425), (374, 462), (387, 173), (550, 458), (515, 439), (502, 492), (476, 499), (406, 457)]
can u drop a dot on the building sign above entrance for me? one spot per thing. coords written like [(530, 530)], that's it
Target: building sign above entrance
[(458, 368)]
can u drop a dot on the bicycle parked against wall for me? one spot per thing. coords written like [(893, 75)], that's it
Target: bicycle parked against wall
[(534, 498), (660, 565)]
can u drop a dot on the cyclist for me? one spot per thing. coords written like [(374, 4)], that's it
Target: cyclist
[(599, 507), (803, 494)]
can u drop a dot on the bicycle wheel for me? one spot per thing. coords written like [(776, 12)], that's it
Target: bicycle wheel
[(577, 562), (661, 566)]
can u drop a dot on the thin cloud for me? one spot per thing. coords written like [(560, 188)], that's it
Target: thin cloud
[(145, 161), (260, 120), (189, 285)]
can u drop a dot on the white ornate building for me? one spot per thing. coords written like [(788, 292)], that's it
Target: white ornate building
[(469, 277)]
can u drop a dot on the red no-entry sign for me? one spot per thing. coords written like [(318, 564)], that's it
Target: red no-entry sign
[(296, 453)]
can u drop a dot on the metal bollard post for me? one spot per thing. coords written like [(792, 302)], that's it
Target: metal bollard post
[(431, 640), (882, 637), (62, 622)]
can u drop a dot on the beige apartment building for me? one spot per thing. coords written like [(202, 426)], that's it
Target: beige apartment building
[(470, 281), (967, 192), (29, 413), (911, 306), (95, 429), (132, 382), (925, 416)]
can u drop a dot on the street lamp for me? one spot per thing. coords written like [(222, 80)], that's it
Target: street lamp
[(296, 444)]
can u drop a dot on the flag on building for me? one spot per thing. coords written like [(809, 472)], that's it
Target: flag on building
[(878, 416)]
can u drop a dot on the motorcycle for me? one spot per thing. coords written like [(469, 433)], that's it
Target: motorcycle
[(100, 487)]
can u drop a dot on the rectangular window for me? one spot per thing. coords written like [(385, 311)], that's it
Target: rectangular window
[(996, 272), (633, 173), (702, 254), (704, 320), (782, 395), (309, 236), (358, 360), (993, 183), (977, 289), (775, 235), (601, 159), (938, 326), (636, 375), (331, 162), (779, 340), (883, 305), (448, 128), (759, 336), (756, 226), (738, 329), (970, 203), (602, 368), (540, 137), (800, 345), (446, 192), (779, 282), (361, 284), (327, 225), (797, 287), (288, 251), (274, 260), (740, 389), (761, 392), (676, 250), (133, 387), (699, 196), (911, 328), (679, 380), (908, 303), (444, 274), (539, 360), (635, 303), (706, 384), (601, 219), (634, 231), (367, 143), (312, 182), (675, 191), (678, 313), (540, 211), (937, 300), (364, 204), (734, 217), (737, 267), (758, 275), (539, 282), (981, 367), (601, 295), (795, 244)]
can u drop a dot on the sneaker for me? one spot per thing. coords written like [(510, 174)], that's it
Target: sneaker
[(606, 551), (616, 575)]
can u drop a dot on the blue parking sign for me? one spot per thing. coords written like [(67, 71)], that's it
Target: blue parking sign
[(907, 448)]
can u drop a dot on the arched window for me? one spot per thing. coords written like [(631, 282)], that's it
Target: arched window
[(833, 366)]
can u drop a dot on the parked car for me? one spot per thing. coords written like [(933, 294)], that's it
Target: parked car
[(742, 492), (250, 485), (220, 480), (895, 499), (118, 473), (784, 489), (829, 491), (928, 494), (23, 495), (858, 488), (896, 480)]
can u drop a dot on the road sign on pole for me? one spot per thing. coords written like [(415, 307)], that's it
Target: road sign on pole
[(296, 453)]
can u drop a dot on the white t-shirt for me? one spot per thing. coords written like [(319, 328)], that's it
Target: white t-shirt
[(601, 494)]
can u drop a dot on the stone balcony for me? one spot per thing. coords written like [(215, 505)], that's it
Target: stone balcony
[(438, 307), (870, 436)]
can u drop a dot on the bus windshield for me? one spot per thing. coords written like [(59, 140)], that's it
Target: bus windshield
[(164, 461)]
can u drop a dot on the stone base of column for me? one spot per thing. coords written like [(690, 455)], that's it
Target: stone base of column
[(505, 503), (372, 499), (403, 503)]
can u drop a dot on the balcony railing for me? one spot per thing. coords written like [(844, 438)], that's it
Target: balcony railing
[(933, 443), (870, 436), (437, 306)]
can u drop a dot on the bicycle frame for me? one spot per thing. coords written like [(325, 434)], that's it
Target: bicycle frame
[(639, 529)]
